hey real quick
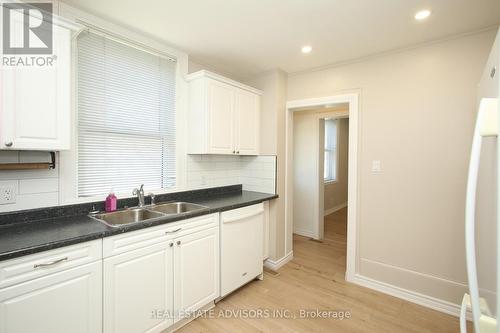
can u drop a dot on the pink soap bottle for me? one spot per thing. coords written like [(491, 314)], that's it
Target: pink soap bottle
[(111, 202)]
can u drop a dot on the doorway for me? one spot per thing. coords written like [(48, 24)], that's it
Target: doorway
[(334, 163), (305, 169)]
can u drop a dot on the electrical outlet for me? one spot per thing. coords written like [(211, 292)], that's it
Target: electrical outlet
[(7, 195)]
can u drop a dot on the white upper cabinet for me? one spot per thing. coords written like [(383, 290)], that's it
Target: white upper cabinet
[(224, 116), (36, 91), (247, 122), (221, 117)]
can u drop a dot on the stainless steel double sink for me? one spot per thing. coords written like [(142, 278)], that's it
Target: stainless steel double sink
[(142, 214)]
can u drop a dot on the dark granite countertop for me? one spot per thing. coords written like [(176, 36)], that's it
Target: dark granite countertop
[(21, 233)]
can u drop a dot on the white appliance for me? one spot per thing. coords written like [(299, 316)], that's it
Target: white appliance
[(241, 247), (482, 227)]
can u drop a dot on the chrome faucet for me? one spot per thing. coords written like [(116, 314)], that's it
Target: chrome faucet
[(140, 194)]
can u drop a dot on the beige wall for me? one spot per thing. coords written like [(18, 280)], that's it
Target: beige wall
[(308, 145), (335, 194), (273, 84), (306, 200), (417, 110)]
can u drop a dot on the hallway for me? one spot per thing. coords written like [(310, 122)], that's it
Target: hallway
[(314, 279)]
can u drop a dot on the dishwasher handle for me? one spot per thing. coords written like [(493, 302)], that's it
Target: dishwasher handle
[(243, 217)]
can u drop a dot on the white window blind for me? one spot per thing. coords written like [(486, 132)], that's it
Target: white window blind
[(126, 117), (330, 168)]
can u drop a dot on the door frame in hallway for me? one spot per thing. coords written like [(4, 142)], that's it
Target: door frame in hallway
[(352, 99)]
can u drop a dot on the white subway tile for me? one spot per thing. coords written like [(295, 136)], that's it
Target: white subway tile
[(9, 157), (34, 157), (31, 201), (32, 186)]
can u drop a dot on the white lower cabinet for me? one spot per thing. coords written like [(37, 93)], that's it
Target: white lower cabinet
[(66, 301), (148, 289), (148, 280), (196, 271), (138, 290)]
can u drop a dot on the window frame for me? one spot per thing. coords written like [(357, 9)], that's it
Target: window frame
[(157, 141), (68, 160), (327, 181)]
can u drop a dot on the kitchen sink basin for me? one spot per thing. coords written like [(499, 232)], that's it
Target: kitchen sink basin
[(127, 216), (133, 215), (173, 208)]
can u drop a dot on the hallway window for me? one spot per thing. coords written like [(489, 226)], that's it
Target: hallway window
[(330, 168)]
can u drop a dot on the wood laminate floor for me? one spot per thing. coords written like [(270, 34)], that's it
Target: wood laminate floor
[(314, 279)]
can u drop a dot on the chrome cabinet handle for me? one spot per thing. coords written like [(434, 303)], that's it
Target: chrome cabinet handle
[(178, 242), (50, 263), (171, 244), (173, 231), (9, 144), (234, 151), (238, 152)]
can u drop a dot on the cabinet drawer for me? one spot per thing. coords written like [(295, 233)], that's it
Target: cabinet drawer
[(63, 302), (48, 262), (137, 239)]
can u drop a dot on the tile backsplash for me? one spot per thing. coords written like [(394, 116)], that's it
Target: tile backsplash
[(255, 173), (258, 173), (40, 188), (32, 188)]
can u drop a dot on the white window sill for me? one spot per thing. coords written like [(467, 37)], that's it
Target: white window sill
[(328, 182)]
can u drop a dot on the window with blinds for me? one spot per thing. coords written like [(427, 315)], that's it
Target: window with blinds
[(330, 168), (126, 117)]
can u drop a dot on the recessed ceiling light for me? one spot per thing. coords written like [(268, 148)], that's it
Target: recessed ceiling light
[(307, 49), (422, 15)]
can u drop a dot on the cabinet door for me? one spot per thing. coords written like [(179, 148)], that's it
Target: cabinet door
[(68, 301), (36, 99), (138, 290), (220, 118), (241, 246), (247, 122), (196, 267)]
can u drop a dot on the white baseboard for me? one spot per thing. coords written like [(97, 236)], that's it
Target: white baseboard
[(336, 208), (414, 286), (277, 264), (411, 296), (305, 233)]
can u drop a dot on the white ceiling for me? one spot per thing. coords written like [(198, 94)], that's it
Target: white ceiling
[(246, 37)]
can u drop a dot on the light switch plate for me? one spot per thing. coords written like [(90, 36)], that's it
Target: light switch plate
[(376, 166)]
